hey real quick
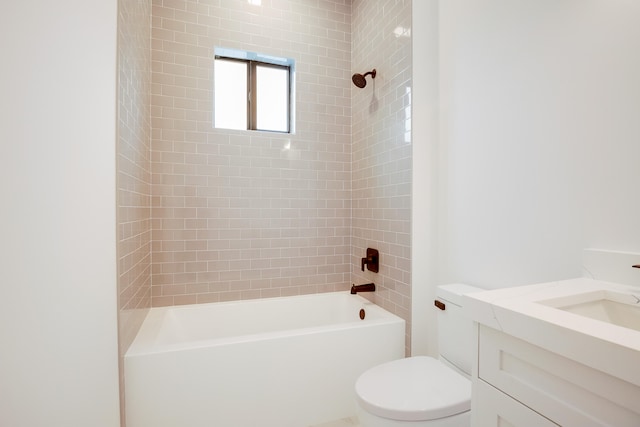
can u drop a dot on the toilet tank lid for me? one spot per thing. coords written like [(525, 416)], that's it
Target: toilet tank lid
[(453, 292)]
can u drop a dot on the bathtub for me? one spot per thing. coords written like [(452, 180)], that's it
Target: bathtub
[(276, 362)]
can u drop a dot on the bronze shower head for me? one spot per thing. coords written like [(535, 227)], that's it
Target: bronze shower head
[(360, 80)]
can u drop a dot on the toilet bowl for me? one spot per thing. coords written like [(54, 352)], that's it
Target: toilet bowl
[(424, 391)]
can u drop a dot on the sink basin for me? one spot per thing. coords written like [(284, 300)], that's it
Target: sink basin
[(606, 306)]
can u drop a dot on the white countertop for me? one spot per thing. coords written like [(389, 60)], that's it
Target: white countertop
[(516, 311)]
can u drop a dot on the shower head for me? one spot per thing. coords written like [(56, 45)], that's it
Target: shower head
[(360, 80)]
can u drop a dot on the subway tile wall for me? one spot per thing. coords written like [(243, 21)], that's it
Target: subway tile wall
[(133, 161), (381, 151), (240, 214), (133, 171)]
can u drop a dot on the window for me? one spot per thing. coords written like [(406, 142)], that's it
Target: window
[(252, 91)]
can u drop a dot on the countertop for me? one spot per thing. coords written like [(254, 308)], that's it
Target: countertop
[(516, 311)]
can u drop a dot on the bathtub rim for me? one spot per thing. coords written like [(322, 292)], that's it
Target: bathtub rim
[(144, 343)]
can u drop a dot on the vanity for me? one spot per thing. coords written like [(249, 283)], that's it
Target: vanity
[(560, 353)]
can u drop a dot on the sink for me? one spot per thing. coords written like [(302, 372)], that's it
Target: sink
[(604, 305)]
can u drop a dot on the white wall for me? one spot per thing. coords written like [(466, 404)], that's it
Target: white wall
[(539, 142), (58, 325), (424, 35)]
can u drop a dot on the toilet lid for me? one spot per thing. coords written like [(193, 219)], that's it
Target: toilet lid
[(413, 389)]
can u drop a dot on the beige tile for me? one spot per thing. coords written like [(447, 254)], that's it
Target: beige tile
[(300, 185)]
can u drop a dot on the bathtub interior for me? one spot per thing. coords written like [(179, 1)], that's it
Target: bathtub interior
[(175, 327)]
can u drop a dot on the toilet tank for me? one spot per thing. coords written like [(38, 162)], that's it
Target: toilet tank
[(455, 327)]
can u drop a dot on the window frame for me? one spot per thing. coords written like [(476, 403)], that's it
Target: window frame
[(252, 61)]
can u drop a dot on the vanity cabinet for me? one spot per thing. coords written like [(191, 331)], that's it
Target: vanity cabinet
[(520, 384)]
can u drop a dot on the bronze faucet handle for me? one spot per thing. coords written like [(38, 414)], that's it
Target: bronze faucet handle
[(371, 260)]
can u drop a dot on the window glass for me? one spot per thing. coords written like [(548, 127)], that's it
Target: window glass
[(272, 98), (230, 89)]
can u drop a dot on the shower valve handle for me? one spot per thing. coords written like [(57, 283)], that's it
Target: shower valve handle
[(371, 260)]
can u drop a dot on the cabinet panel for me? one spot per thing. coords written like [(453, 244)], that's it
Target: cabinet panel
[(563, 390), (497, 409)]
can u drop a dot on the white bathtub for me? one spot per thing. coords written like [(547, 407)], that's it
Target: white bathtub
[(277, 362)]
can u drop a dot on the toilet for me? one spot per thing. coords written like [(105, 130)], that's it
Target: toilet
[(424, 391)]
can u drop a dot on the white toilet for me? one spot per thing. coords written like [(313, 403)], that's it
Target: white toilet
[(423, 391)]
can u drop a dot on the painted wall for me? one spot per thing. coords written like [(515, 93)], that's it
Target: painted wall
[(538, 137), (539, 159), (240, 214), (425, 33), (58, 311), (381, 147)]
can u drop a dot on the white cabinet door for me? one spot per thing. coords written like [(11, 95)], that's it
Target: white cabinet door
[(496, 409), (563, 390)]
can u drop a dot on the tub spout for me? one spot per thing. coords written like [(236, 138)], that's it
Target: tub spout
[(368, 287)]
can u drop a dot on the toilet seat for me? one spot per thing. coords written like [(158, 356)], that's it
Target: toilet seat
[(413, 389)]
